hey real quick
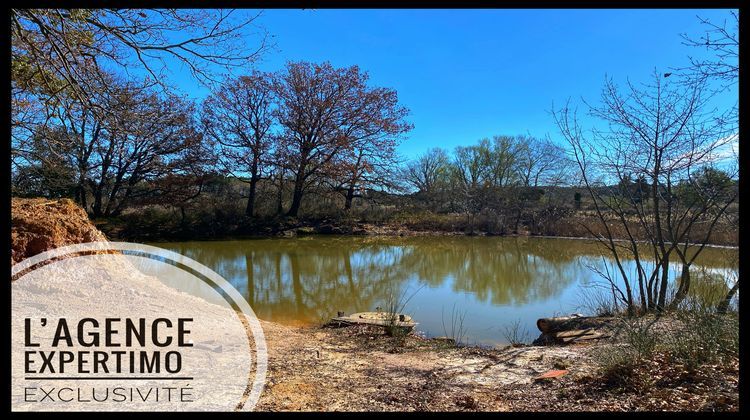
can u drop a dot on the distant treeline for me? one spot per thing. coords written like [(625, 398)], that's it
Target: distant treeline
[(308, 140), (311, 141)]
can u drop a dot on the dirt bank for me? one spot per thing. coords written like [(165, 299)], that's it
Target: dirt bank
[(38, 225), (360, 369)]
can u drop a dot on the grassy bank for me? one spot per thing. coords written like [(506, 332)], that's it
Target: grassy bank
[(154, 223)]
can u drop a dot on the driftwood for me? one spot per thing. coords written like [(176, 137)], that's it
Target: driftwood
[(572, 329), (572, 322), (566, 337), (382, 319)]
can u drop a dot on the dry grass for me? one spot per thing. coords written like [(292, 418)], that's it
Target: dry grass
[(582, 225)]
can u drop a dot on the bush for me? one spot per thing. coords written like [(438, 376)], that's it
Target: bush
[(456, 330), (690, 337), (704, 337), (515, 335), (619, 363)]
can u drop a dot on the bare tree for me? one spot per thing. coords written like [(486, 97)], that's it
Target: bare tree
[(118, 157), (152, 138), (327, 114), (63, 61), (471, 166), (540, 162), (505, 153), (63, 50), (723, 42), (371, 160), (428, 173), (666, 134), (238, 116)]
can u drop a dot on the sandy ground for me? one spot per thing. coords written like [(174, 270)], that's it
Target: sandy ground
[(360, 369)]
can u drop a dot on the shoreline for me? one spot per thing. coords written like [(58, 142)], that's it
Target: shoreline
[(412, 234), (357, 368), (357, 230)]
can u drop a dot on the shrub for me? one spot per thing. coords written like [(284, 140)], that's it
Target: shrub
[(619, 363), (515, 335), (704, 337), (691, 337), (455, 330)]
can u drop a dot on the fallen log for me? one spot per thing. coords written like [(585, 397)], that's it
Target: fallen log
[(382, 319), (574, 333), (572, 322), (573, 329), (567, 337)]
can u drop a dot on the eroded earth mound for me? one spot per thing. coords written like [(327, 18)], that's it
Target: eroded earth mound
[(38, 225)]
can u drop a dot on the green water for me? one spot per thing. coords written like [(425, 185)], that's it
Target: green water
[(493, 282)]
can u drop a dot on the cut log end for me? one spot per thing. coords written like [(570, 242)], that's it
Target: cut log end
[(572, 329)]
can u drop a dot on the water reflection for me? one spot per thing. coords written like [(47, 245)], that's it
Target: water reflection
[(495, 280)]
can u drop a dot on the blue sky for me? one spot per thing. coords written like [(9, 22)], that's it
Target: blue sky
[(469, 74)]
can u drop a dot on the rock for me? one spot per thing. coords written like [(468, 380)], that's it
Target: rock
[(290, 233), (305, 230), (552, 374), (446, 340)]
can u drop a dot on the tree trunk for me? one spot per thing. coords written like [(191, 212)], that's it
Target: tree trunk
[(349, 197), (280, 197), (97, 208), (518, 220), (724, 305), (81, 195), (299, 181), (296, 200), (81, 188), (183, 216), (250, 209), (280, 194), (684, 287), (661, 303)]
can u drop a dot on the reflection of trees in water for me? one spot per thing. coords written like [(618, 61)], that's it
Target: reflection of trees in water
[(309, 279), (501, 271), (302, 279), (712, 275)]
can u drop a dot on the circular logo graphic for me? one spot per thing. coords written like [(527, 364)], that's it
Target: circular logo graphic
[(114, 326)]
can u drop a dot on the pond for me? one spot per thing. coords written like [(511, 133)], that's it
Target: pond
[(495, 284)]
